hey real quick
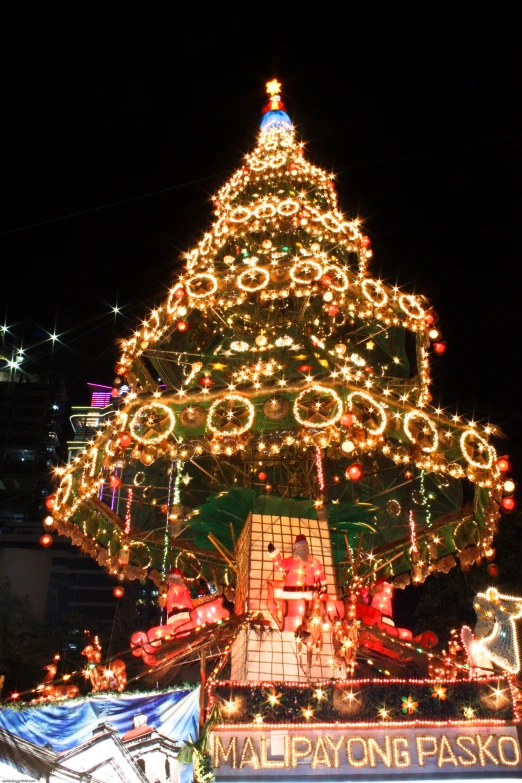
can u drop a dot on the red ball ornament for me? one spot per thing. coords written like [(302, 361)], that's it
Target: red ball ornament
[(439, 348), (503, 464), (430, 319), (331, 185), (115, 481), (115, 392), (305, 368), (125, 440), (366, 241), (179, 293), (326, 280), (46, 540), (493, 569), (292, 167), (50, 501), (182, 326), (333, 309), (118, 592), (347, 419), (508, 504), (206, 382), (262, 476), (354, 472)]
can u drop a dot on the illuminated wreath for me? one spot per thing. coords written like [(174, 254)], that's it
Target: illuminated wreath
[(194, 562), (253, 279), (409, 304), (421, 430), (476, 450), (239, 214), (264, 211), (368, 413), (330, 222), (202, 285), (374, 292), (306, 271), (231, 415), (318, 407), (152, 423), (191, 259), (205, 244), (63, 491), (340, 281), (288, 207)]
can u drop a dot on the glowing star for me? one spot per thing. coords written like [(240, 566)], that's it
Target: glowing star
[(409, 706), (469, 713), (439, 693), (384, 713), (273, 87), (495, 632), (258, 719), (274, 698), (307, 712), (218, 366)]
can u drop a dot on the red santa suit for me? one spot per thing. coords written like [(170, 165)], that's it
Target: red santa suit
[(302, 577), (179, 603)]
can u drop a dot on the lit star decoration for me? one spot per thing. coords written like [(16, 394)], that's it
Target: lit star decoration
[(409, 706), (273, 87), (438, 692)]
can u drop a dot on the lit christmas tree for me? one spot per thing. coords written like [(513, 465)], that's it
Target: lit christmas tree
[(278, 381)]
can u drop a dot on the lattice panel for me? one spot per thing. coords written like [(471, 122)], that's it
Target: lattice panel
[(272, 654)]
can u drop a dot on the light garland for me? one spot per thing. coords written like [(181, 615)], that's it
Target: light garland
[(252, 273), (63, 491), (351, 403), (152, 408), (409, 304), (319, 390), (410, 417), (304, 266), (231, 430), (202, 277), (483, 442), (320, 469), (128, 512), (378, 290)]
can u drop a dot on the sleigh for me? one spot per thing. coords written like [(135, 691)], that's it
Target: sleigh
[(208, 610)]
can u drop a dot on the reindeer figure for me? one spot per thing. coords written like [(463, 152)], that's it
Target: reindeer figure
[(113, 677), (309, 634), (49, 690)]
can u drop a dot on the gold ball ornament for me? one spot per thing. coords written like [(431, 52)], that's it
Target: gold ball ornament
[(261, 340)]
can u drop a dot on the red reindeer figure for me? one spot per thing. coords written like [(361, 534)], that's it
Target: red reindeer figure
[(112, 677)]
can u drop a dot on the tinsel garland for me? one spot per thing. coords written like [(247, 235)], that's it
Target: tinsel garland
[(22, 706)]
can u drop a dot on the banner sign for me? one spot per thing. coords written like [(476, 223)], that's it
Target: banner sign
[(132, 738), (460, 752)]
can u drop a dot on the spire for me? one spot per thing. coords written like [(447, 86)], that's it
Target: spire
[(274, 114)]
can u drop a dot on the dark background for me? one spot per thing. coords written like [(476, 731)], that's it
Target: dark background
[(416, 109)]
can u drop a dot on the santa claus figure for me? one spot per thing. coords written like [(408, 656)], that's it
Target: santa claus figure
[(303, 573), (179, 603), (382, 594)]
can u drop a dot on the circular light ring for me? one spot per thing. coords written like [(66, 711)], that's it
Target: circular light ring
[(258, 165), (63, 491), (133, 544), (368, 398), (265, 211), (409, 304), (239, 214), (341, 283), (189, 556), (288, 207), (139, 478), (153, 407), (277, 160), (331, 223), (492, 454), (220, 228), (234, 430), (249, 274), (321, 424), (205, 244), (304, 266), (202, 276), (424, 416), (377, 289)]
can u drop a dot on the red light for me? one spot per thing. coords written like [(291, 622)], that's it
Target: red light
[(15, 695), (115, 482), (262, 476), (179, 293), (503, 464), (50, 501), (354, 472), (439, 348), (125, 440), (118, 592), (46, 540), (305, 368), (333, 310), (347, 420), (326, 280), (182, 326), (508, 504), (206, 382)]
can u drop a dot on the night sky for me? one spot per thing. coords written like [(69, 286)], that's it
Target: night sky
[(415, 109)]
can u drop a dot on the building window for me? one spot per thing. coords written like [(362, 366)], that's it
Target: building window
[(141, 765), (167, 770)]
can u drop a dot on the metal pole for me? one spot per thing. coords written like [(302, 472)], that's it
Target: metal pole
[(203, 671)]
